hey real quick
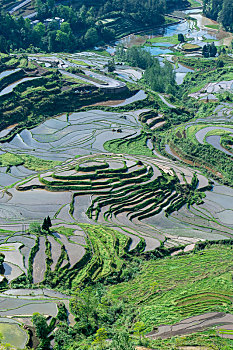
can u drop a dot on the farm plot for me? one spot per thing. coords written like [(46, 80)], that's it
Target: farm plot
[(75, 252), (116, 190), (108, 249), (18, 305), (153, 119), (39, 262), (77, 134), (54, 254), (85, 59), (205, 145), (13, 334), (213, 88), (210, 220), (32, 205), (43, 256), (13, 259), (16, 252), (122, 182), (58, 260), (11, 87)]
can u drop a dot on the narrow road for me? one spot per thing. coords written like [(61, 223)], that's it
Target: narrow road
[(166, 102), (107, 82)]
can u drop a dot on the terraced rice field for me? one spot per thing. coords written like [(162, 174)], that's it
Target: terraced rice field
[(171, 290), (13, 334), (76, 134), (110, 195), (207, 145), (22, 303), (140, 197)]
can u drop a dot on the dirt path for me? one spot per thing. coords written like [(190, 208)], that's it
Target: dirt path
[(192, 325)]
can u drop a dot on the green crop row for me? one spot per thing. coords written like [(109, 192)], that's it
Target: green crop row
[(108, 248), (32, 255)]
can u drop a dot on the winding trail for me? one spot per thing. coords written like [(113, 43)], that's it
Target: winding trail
[(166, 102)]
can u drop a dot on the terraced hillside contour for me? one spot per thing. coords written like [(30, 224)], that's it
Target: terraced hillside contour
[(65, 257), (137, 189), (30, 94), (183, 294)]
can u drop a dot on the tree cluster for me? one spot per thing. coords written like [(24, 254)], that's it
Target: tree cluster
[(209, 50), (158, 77), (46, 224), (220, 10), (78, 31), (97, 319), (83, 26)]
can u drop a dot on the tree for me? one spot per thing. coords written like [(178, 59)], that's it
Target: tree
[(212, 50), (2, 270), (91, 37), (100, 337), (84, 304), (3, 44), (226, 14), (65, 27), (111, 65), (62, 337), (209, 50), (46, 224), (181, 38), (205, 51), (62, 41), (39, 31), (108, 34), (220, 63), (221, 10), (39, 321), (49, 222), (122, 341), (62, 312)]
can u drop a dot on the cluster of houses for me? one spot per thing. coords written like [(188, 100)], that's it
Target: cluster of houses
[(47, 21)]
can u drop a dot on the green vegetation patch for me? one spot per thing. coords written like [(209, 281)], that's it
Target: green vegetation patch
[(6, 231), (171, 289), (190, 47), (164, 39), (13, 334), (66, 231), (7, 248), (30, 162), (213, 161), (81, 63), (135, 146), (108, 248), (194, 3), (213, 26)]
